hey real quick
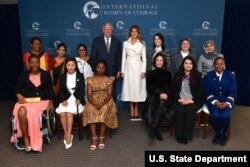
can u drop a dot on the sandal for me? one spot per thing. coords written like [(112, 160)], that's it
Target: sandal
[(101, 145), (27, 149), (93, 146)]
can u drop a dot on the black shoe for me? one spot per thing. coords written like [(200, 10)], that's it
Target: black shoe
[(158, 135), (179, 139), (185, 141), (223, 142), (216, 140)]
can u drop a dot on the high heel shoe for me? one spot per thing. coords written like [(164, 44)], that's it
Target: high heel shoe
[(101, 145), (93, 146), (67, 146)]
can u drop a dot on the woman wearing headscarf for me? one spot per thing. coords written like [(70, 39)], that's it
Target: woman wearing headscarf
[(206, 60)]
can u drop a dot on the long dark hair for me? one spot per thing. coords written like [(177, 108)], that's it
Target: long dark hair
[(193, 73), (68, 60), (162, 40)]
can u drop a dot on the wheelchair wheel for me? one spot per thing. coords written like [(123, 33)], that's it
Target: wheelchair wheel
[(51, 122), (46, 139)]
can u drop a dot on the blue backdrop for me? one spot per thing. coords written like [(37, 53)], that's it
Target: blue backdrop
[(75, 22)]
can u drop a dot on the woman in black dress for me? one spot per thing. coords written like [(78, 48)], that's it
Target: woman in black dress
[(157, 104)]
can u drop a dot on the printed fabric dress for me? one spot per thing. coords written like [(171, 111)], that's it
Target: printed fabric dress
[(107, 114)]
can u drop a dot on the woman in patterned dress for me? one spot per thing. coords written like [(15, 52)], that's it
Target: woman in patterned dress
[(100, 107)]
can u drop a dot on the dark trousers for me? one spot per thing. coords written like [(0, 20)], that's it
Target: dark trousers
[(185, 120), (220, 120), (158, 115)]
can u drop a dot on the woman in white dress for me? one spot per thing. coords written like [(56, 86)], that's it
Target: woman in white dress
[(83, 64), (133, 71), (71, 94)]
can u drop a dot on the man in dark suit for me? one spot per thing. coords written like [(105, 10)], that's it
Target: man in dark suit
[(108, 48)]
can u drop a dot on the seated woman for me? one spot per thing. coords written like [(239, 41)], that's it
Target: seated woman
[(34, 83), (71, 94), (100, 107), (157, 104), (220, 90), (187, 89)]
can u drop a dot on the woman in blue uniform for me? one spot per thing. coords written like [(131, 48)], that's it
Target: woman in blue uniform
[(220, 90)]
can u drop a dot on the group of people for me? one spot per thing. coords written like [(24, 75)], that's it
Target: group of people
[(178, 85)]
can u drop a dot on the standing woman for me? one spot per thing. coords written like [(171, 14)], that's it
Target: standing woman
[(71, 93), (36, 84), (206, 60), (100, 107), (220, 90), (36, 49), (83, 60), (184, 51), (187, 89), (57, 68), (133, 70), (158, 46)]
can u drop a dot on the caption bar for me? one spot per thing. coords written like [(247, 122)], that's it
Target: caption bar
[(196, 158)]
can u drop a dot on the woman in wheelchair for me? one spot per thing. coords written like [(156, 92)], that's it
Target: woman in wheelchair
[(157, 105), (34, 92), (71, 95), (100, 107)]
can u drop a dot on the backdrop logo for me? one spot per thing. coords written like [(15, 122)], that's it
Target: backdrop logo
[(77, 25), (163, 25), (120, 25), (118, 97), (206, 29), (91, 10), (56, 43), (35, 26), (205, 25)]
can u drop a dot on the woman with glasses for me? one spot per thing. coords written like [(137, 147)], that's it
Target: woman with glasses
[(83, 60)]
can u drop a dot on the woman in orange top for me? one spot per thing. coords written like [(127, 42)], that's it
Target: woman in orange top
[(36, 45)]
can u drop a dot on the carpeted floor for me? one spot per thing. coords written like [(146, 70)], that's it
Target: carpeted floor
[(126, 148)]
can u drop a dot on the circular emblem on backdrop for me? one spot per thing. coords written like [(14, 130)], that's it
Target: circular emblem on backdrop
[(35, 26), (163, 25), (56, 43), (205, 25), (77, 25), (119, 97), (91, 10), (119, 25)]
